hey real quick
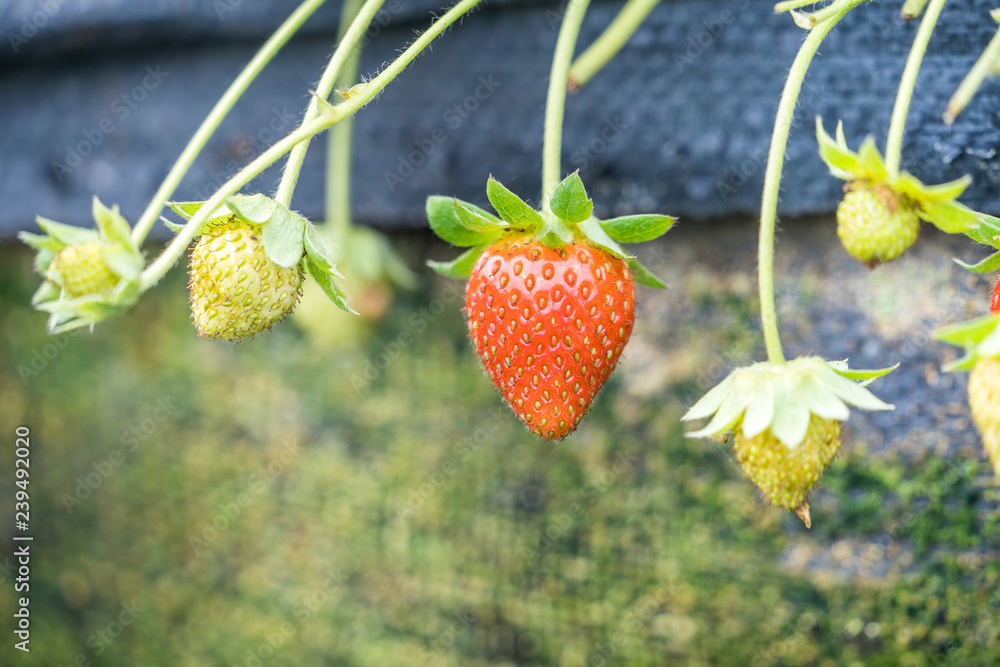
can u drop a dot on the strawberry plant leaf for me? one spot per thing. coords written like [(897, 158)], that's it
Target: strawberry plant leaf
[(323, 273), (570, 201), (842, 162), (637, 228), (966, 334), (446, 224), (592, 230), (461, 266), (283, 236), (949, 217), (252, 209), (644, 276), (512, 208), (988, 265), (66, 234), (474, 222), (112, 224)]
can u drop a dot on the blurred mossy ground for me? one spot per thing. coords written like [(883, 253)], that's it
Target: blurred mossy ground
[(387, 510)]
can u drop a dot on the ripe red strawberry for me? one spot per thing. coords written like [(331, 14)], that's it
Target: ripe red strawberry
[(549, 326), (995, 301)]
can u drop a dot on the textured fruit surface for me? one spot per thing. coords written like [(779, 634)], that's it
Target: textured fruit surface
[(874, 224), (995, 300), (549, 327), (235, 289), (81, 270), (984, 399), (786, 475)]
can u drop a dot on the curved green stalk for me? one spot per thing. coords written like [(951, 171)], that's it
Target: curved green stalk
[(610, 42), (555, 104), (218, 113), (772, 175), (894, 143), (340, 138), (348, 44), (357, 97), (986, 65)]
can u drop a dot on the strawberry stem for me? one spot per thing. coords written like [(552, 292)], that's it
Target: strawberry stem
[(772, 175), (218, 113), (897, 126), (988, 63), (344, 52), (610, 42), (555, 104), (339, 139)]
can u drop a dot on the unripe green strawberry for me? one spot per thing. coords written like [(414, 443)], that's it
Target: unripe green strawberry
[(785, 475), (235, 289), (80, 270), (876, 224), (984, 399)]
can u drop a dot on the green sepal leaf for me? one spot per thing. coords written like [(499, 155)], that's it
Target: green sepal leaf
[(45, 248), (988, 265), (188, 209), (460, 267), (592, 230), (870, 161), (554, 233), (283, 236), (323, 275), (67, 234), (112, 224), (512, 208), (843, 162), (254, 210), (475, 222), (637, 228), (949, 217), (444, 221), (987, 232), (171, 225), (968, 333), (911, 186), (124, 261), (315, 250), (865, 377), (570, 200), (644, 276)]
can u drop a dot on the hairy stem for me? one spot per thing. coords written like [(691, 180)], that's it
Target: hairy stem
[(610, 42), (339, 140), (772, 175), (986, 65), (357, 97), (350, 41), (894, 143), (218, 113), (555, 104)]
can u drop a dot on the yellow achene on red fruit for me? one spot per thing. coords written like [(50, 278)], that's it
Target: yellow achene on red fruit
[(235, 289), (549, 326)]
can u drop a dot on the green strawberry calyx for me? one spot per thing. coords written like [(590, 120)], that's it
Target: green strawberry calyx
[(288, 238), (783, 397), (979, 337), (571, 219), (119, 263), (933, 203)]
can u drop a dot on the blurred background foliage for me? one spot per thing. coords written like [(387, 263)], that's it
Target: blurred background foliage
[(351, 492)]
